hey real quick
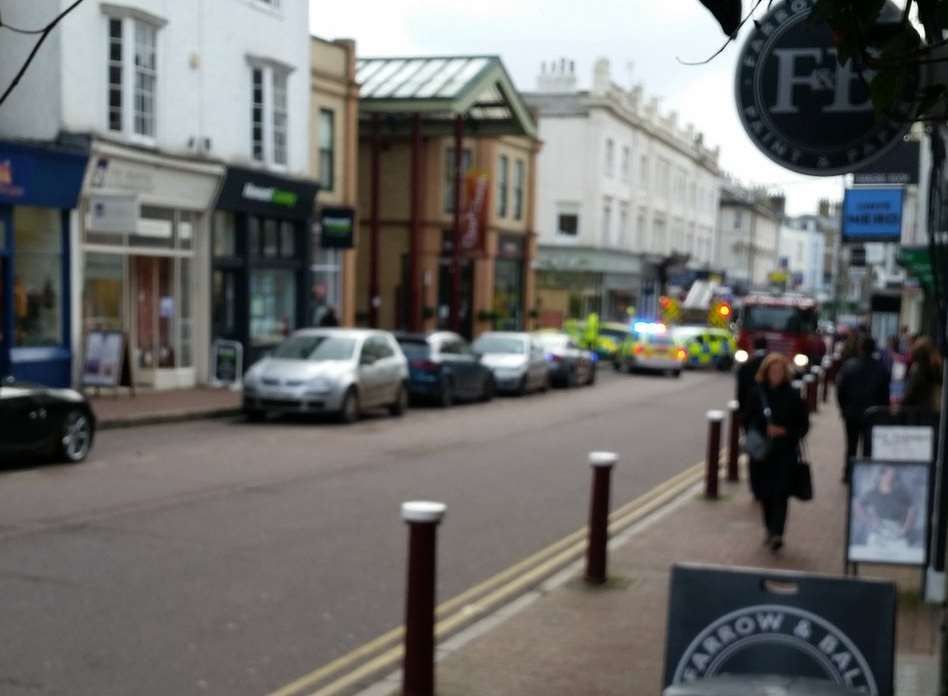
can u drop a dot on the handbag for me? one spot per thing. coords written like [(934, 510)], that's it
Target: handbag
[(801, 487), (756, 443)]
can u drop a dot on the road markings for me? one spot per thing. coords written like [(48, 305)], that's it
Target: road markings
[(487, 595)]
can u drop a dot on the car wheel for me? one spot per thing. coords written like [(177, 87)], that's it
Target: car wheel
[(523, 387), (447, 395), (572, 378), (400, 405), (349, 412), (487, 391), (547, 383), (253, 415), (676, 374), (592, 375), (75, 437)]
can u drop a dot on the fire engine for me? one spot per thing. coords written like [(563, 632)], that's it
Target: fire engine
[(787, 322)]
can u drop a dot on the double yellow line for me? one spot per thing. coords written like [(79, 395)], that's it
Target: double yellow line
[(484, 597)]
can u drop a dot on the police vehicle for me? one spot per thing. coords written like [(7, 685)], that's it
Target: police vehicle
[(650, 347), (706, 346)]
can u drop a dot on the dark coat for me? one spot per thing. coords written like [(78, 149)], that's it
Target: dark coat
[(746, 379), (773, 477), (862, 384), (923, 390)]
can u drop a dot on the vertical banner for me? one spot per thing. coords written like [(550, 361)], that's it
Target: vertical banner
[(474, 212)]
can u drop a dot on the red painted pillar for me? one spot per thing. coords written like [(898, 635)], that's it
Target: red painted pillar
[(414, 253), (713, 458), (601, 463), (374, 225), (456, 251), (733, 442)]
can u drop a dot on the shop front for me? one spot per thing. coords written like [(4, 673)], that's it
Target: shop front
[(263, 244), (145, 247), (39, 187), (509, 285)]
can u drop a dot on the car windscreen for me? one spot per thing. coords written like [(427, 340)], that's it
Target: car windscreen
[(551, 341), (316, 348), (663, 341), (614, 334), (778, 318), (499, 344), (415, 347), (686, 334)]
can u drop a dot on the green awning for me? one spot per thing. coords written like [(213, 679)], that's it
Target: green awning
[(915, 261)]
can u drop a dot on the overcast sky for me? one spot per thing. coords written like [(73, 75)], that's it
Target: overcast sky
[(648, 35)]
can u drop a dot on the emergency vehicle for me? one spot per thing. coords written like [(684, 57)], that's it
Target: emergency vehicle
[(706, 346), (650, 346), (788, 323)]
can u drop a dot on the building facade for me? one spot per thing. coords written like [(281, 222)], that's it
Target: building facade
[(626, 192), (748, 232), (334, 156), (193, 221), (444, 241)]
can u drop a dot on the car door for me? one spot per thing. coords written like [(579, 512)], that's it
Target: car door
[(390, 377), (22, 420), (457, 356), (536, 366), (578, 361), (369, 373)]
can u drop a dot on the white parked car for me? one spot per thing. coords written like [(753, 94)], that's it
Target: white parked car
[(518, 362), (329, 371)]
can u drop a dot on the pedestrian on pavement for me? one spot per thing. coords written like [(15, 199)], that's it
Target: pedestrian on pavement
[(329, 318), (890, 354), (746, 381), (923, 391), (777, 412), (863, 383)]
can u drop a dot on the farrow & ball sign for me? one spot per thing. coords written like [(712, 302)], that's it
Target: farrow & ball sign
[(804, 108)]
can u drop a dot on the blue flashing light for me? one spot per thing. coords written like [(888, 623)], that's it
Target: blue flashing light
[(648, 327)]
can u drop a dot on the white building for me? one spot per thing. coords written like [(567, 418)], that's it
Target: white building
[(194, 117), (622, 188), (748, 229), (802, 252)]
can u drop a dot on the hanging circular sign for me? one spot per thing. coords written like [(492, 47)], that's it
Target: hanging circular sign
[(802, 107)]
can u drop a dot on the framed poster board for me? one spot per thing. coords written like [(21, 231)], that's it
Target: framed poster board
[(227, 363), (744, 621), (105, 360), (905, 443), (887, 518)]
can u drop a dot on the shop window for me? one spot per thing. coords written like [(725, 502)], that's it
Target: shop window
[(225, 237), (327, 149), (132, 71), (503, 180), (224, 303), (519, 182), (287, 240), (325, 290), (271, 239), (185, 320), (449, 173), (567, 224), (272, 306), (508, 294), (37, 277), (253, 235), (103, 292), (155, 228)]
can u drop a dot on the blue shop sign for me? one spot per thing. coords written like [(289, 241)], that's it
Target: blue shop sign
[(872, 215), (46, 177)]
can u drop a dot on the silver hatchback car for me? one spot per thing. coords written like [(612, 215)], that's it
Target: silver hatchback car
[(329, 371)]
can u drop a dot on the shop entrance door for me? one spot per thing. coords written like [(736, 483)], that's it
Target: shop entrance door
[(157, 310)]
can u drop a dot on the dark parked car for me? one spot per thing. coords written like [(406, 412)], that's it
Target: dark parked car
[(443, 368), (570, 365), (37, 420)]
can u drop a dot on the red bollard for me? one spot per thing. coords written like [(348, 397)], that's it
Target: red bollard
[(418, 664), (602, 464), (733, 443), (812, 403), (713, 458)]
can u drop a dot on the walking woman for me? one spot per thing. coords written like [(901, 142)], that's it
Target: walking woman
[(923, 390), (776, 412)]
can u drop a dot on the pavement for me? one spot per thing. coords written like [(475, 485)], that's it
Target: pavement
[(225, 557), (566, 638), (124, 409)]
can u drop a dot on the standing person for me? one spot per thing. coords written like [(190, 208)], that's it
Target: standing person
[(746, 381), (923, 390), (776, 411), (890, 353), (863, 383), (329, 318)]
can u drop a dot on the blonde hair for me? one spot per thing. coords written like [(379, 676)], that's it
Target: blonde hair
[(769, 361)]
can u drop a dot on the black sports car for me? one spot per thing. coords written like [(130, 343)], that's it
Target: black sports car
[(38, 420)]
